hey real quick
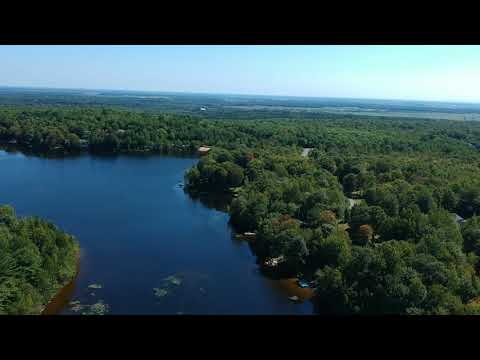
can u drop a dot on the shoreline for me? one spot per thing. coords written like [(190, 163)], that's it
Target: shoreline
[(290, 287), (286, 284), (62, 297), (63, 153)]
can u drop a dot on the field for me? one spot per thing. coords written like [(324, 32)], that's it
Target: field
[(239, 106)]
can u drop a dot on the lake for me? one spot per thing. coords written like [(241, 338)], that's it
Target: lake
[(146, 246)]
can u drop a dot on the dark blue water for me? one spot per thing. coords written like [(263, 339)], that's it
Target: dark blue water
[(136, 227)]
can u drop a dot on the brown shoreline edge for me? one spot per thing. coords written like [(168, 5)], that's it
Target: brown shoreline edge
[(290, 287), (60, 300), (63, 296)]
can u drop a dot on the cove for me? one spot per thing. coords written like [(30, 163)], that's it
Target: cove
[(138, 232)]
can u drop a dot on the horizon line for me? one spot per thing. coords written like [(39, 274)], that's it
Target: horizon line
[(470, 102)]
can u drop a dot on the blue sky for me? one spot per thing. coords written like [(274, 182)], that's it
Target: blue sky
[(444, 73)]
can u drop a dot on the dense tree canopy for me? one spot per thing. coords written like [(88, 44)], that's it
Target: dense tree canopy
[(394, 246), (36, 259)]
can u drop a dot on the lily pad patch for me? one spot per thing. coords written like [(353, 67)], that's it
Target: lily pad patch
[(159, 292), (99, 308), (175, 280), (95, 286)]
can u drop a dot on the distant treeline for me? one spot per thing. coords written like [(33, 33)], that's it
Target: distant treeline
[(106, 130), (218, 104)]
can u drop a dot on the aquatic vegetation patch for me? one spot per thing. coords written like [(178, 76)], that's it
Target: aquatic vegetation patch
[(175, 280), (168, 285), (95, 286), (159, 292), (76, 306), (99, 308)]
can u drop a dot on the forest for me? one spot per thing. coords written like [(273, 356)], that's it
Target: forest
[(36, 260), (381, 217)]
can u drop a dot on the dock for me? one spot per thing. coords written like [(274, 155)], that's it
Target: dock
[(203, 150)]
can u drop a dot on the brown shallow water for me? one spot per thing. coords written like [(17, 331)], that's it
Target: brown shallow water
[(63, 297), (287, 287), (290, 288)]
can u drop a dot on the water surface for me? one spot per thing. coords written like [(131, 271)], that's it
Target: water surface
[(137, 228)]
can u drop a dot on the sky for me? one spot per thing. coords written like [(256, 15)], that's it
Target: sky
[(438, 73)]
